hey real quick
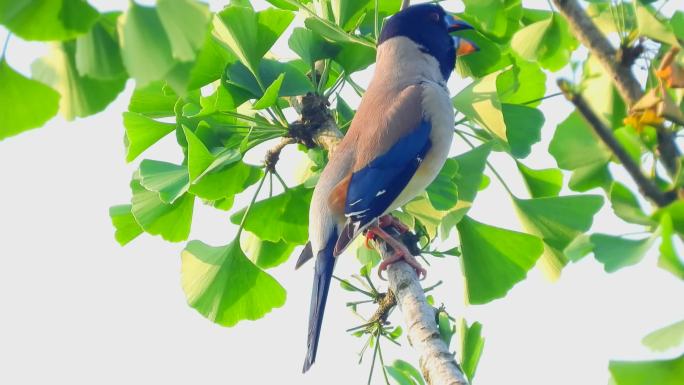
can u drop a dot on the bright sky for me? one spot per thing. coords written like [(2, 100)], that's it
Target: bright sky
[(79, 309)]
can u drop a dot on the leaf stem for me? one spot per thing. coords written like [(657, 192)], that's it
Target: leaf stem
[(377, 21), (382, 361), (375, 353), (353, 287), (249, 207), (5, 45), (489, 165), (543, 98), (282, 182)]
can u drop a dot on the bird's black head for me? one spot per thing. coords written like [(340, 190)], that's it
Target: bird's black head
[(428, 25)]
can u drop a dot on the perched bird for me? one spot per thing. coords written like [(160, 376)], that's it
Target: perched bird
[(397, 143)]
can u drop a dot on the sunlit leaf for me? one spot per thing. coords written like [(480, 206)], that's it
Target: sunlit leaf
[(665, 338), (170, 180), (81, 96), (24, 103), (575, 145), (494, 259), (142, 132), (224, 286), (617, 252), (250, 34), (626, 206), (472, 344), (499, 18), (287, 216), (548, 41), (661, 372), (127, 229), (522, 83), (651, 27), (479, 102), (47, 20), (171, 221), (185, 23), (270, 94), (97, 52), (523, 128), (557, 220), (542, 183), (265, 254)]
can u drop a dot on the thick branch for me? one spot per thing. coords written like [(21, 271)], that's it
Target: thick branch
[(438, 365), (619, 70), (646, 186)]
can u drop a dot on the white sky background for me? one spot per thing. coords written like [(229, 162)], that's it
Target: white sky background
[(78, 309)]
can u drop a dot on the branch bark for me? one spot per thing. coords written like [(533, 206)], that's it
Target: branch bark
[(437, 364), (620, 71), (646, 186)]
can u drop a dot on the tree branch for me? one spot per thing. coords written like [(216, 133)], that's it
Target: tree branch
[(619, 70), (437, 364), (646, 186)]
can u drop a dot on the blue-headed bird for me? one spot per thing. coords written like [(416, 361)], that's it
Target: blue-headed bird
[(396, 145)]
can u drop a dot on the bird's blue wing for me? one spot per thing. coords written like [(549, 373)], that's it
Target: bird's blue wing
[(373, 188)]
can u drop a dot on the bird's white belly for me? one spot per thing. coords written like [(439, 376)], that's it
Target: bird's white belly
[(439, 111)]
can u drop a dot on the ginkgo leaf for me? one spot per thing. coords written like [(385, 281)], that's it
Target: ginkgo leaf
[(661, 372), (523, 128), (558, 221), (127, 228), (270, 94), (224, 286), (650, 26), (145, 48), (24, 103), (523, 83), (171, 221), (142, 132), (547, 41), (97, 52), (626, 206), (542, 183), (618, 252), (185, 23), (479, 102), (494, 259), (310, 46), (287, 216), (250, 34), (81, 96), (47, 20), (263, 253), (472, 345), (669, 259), (575, 145), (666, 338), (170, 180)]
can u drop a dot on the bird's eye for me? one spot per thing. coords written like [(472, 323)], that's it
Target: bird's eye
[(435, 17)]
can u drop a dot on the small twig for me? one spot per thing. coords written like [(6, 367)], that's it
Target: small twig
[(646, 186), (385, 305), (620, 72), (273, 155)]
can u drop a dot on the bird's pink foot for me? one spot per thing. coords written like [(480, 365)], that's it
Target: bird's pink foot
[(401, 253)]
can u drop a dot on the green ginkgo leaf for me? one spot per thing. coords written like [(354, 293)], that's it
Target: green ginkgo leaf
[(250, 34), (142, 132), (523, 83), (185, 23), (523, 128), (494, 259), (97, 52), (310, 46), (443, 191), (542, 183), (498, 18), (265, 254), (661, 372), (618, 252), (669, 257), (24, 103), (81, 96), (575, 145), (666, 338), (154, 100), (224, 286), (145, 47), (557, 221), (127, 228), (170, 180), (170, 221), (47, 20), (286, 214), (270, 94), (650, 26), (486, 60), (480, 103), (626, 206), (547, 41), (472, 345)]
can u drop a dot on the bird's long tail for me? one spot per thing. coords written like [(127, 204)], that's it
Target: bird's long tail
[(325, 261)]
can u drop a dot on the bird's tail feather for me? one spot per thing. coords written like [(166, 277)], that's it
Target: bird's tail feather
[(325, 261)]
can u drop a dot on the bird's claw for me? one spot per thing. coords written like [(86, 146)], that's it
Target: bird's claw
[(402, 256)]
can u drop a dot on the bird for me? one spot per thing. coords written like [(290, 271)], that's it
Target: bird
[(396, 145)]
